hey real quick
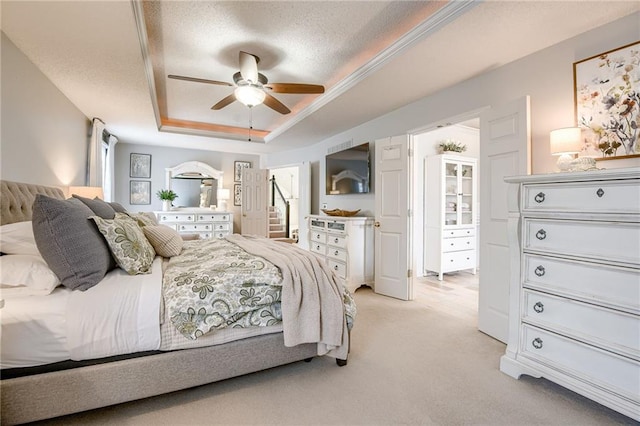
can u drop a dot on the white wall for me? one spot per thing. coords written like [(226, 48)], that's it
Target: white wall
[(44, 137), (547, 76), (162, 158)]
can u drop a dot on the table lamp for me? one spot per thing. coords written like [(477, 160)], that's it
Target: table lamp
[(223, 195), (87, 191), (565, 142)]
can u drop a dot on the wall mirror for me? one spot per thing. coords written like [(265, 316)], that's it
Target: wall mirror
[(196, 184)]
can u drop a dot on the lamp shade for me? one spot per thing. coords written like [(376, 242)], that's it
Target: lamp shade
[(567, 140), (249, 95), (224, 194), (87, 191)]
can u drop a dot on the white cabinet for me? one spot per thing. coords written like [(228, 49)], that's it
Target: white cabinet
[(346, 245), (203, 222), (574, 307), (449, 210)]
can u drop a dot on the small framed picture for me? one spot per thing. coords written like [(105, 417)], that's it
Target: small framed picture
[(237, 169), (237, 194), (139, 192), (140, 165)]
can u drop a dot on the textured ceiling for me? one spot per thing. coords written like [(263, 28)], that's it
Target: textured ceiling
[(114, 67)]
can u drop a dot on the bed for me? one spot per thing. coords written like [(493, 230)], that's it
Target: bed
[(144, 341)]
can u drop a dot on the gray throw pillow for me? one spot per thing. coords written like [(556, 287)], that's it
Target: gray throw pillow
[(97, 206), (117, 207), (69, 242)]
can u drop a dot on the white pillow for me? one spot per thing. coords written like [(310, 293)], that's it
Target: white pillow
[(17, 238), (25, 275)]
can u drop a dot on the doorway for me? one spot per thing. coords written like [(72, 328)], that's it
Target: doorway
[(462, 284)]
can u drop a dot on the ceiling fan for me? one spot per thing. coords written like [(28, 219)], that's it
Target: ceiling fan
[(252, 87)]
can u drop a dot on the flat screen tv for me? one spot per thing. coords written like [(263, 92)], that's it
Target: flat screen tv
[(348, 171)]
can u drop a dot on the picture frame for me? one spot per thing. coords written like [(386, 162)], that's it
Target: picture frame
[(237, 169), (237, 194), (139, 192), (607, 103), (140, 165)]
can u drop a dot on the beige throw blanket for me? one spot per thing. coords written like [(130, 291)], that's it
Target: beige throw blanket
[(312, 296)]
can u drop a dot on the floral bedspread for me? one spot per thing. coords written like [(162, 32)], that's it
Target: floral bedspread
[(215, 284)]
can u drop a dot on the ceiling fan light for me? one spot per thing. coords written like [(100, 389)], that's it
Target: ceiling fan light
[(249, 95)]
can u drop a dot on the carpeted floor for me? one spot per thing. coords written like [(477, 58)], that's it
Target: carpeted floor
[(420, 362)]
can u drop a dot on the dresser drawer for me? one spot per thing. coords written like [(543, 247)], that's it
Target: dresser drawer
[(177, 217), (606, 328), (458, 260), (319, 225), (318, 248), (455, 233), (220, 234), (457, 244), (606, 285), (195, 227), (319, 237), (601, 241), (337, 253), (618, 374), (339, 268), (337, 227), (584, 197), (337, 240), (221, 226), (213, 217)]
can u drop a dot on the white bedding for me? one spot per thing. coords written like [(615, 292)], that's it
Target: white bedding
[(120, 315)]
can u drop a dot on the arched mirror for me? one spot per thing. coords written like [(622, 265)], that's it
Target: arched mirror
[(196, 183)]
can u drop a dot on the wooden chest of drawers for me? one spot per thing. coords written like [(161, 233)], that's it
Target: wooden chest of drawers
[(574, 303), (203, 222)]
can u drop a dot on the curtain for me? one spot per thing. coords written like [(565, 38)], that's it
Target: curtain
[(109, 185), (95, 166)]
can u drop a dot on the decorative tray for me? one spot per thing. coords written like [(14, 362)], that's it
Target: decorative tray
[(339, 212)]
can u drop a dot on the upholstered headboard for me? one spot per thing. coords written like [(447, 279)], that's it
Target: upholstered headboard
[(16, 199)]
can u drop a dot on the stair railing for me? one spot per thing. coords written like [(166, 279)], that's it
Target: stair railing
[(275, 188)]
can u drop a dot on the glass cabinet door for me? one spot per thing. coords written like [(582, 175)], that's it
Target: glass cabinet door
[(458, 208)]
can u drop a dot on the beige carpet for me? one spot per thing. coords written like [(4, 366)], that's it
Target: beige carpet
[(420, 362)]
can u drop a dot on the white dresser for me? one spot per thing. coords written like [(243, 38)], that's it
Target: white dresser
[(201, 221), (449, 219), (574, 307), (346, 245)]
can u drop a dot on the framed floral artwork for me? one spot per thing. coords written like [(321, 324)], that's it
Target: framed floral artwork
[(139, 165), (237, 194), (139, 192), (607, 102), (237, 169)]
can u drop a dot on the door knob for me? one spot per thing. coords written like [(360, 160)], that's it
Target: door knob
[(377, 224)]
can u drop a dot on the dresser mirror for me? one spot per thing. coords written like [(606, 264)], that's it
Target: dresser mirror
[(196, 184)]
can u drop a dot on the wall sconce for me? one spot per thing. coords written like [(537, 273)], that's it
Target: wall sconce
[(87, 191), (565, 142), (223, 195)]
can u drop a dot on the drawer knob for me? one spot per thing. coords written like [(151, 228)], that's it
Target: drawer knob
[(599, 192), (335, 267), (539, 197), (336, 241), (541, 234), (318, 236), (539, 271), (538, 307), (537, 343), (336, 252)]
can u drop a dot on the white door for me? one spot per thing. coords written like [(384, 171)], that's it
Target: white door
[(255, 195), (304, 203), (393, 276), (505, 147)]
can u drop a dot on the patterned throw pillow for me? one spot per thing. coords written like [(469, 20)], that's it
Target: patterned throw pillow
[(166, 241), (127, 242), (144, 218)]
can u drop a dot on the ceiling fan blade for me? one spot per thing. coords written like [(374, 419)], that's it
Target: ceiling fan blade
[(223, 103), (249, 67), (275, 104), (295, 88), (199, 80)]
